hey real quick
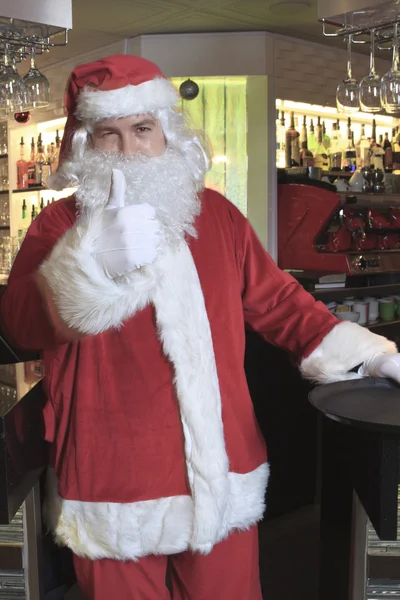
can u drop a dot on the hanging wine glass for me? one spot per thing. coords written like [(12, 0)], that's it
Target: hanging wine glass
[(10, 86), (20, 96), (370, 86), (37, 84), (347, 94), (390, 83)]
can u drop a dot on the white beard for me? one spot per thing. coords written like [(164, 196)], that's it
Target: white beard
[(166, 182)]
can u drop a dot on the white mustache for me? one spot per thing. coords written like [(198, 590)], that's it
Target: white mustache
[(166, 182)]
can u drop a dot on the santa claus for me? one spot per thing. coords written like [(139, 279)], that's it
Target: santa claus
[(137, 290)]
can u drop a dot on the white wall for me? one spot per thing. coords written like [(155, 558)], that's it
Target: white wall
[(208, 54)]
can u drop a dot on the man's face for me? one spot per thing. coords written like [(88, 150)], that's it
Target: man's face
[(130, 135)]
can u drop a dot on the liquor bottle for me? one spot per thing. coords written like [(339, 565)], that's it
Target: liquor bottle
[(321, 159), (395, 150), (46, 168), (39, 162), (348, 128), (388, 160), (373, 138), (292, 148), (363, 150), (51, 151), (56, 152), (318, 128), (297, 128), (350, 154), (303, 132), (33, 213), (280, 142), (41, 206), (24, 208), (312, 140), (22, 167), (335, 150), (48, 203), (31, 166), (380, 142), (306, 156), (326, 140), (394, 140), (358, 147), (339, 134), (378, 158), (397, 134)]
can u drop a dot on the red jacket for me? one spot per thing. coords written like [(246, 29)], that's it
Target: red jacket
[(134, 473)]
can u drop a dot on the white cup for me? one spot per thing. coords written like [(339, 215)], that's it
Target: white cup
[(356, 182), (341, 185), (362, 309), (349, 303), (373, 310)]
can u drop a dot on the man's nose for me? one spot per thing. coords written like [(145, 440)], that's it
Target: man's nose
[(129, 145)]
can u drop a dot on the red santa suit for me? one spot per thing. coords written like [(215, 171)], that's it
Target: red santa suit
[(155, 449)]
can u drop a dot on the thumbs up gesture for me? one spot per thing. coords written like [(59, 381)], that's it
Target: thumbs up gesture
[(128, 236)]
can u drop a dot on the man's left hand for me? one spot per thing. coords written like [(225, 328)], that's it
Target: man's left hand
[(383, 365)]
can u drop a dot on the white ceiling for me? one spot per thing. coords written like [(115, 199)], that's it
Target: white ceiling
[(97, 23)]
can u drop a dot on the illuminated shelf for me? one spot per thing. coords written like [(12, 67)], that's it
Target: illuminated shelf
[(31, 189)]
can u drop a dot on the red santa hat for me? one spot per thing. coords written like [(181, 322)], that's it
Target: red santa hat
[(113, 87)]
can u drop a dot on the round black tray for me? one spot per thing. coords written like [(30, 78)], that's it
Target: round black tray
[(368, 403)]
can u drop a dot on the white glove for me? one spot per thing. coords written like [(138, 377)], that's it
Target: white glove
[(129, 235), (382, 365)]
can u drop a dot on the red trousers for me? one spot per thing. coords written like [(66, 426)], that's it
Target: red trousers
[(229, 572)]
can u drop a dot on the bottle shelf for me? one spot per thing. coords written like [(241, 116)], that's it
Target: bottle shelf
[(38, 188), (337, 173), (382, 323), (4, 227), (328, 295), (3, 155), (2, 192)]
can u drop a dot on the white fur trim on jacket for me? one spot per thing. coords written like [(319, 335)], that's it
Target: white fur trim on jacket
[(129, 531), (130, 100), (184, 330), (346, 346)]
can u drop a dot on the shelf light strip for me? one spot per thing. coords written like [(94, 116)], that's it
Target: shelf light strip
[(331, 113)]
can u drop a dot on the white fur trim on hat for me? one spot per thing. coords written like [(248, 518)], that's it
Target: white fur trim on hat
[(130, 100), (346, 346)]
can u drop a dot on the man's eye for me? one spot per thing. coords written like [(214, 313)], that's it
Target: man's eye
[(143, 129)]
